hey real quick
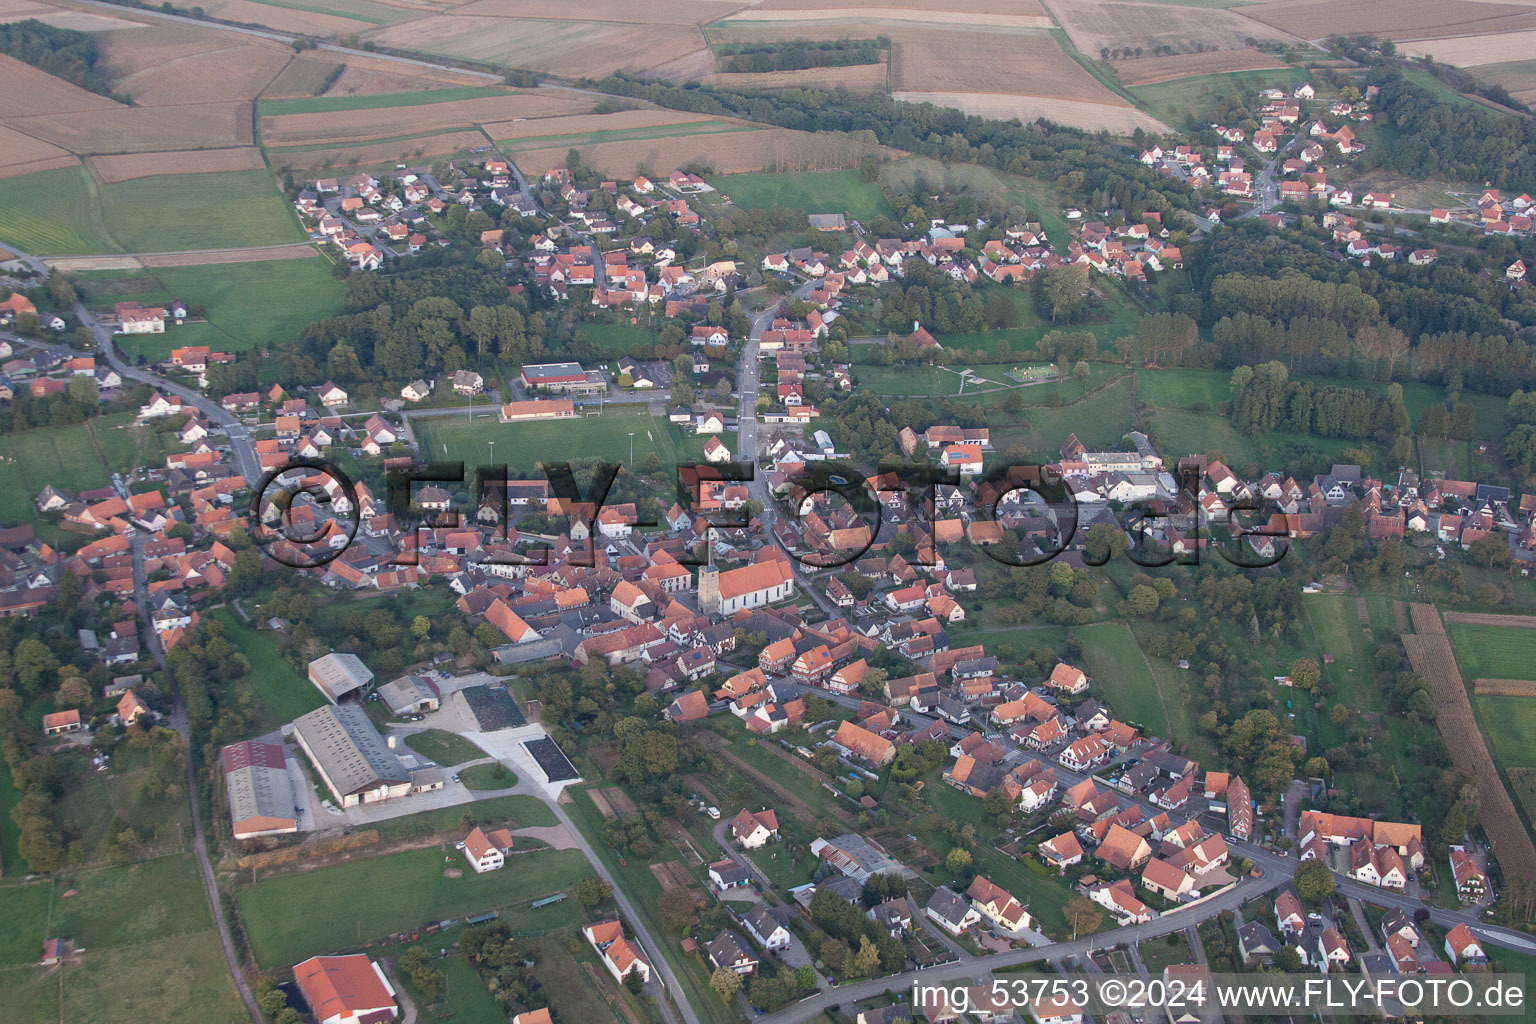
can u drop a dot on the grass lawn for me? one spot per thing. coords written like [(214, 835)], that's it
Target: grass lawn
[(464, 1000), (1100, 419), (75, 457), (279, 692), (522, 445), (1493, 652), (1038, 199), (247, 304), (1179, 432), (1336, 625), (1035, 886), (446, 748), (23, 920), (1184, 101), (1118, 669), (816, 192), (1158, 953), (503, 811), (1169, 681), (124, 906), (322, 104), (369, 898), (10, 855), (1508, 724), (579, 988), (488, 776), (616, 339), (187, 984)]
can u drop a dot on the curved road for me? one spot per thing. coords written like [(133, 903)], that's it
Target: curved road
[(246, 461)]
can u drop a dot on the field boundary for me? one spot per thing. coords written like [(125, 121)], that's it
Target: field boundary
[(1430, 652), (1504, 687), (1492, 619)]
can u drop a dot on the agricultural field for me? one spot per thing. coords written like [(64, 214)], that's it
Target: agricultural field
[(125, 166), (313, 20), (1472, 737), (1494, 652), (1412, 20), (341, 119), (1518, 76), (67, 211), (522, 445), (22, 154), (343, 908), (778, 149), (1150, 70), (331, 101), (531, 135), (826, 192), (566, 47), (1509, 723), (1028, 75), (1098, 25), (53, 211), (856, 78)]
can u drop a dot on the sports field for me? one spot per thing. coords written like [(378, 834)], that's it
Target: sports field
[(368, 898), (1494, 652), (522, 445), (817, 192), (66, 211)]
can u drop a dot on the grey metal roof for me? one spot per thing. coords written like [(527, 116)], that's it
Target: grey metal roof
[(348, 749)]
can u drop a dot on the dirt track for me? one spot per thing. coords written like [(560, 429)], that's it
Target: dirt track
[(1429, 651), (1490, 619), (1504, 687)]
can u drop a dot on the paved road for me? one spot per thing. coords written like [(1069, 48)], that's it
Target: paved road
[(747, 384), (651, 947), (245, 460), (242, 448)]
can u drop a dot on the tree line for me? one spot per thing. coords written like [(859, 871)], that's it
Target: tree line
[(1077, 162), (61, 52), (1264, 400), (799, 54)]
